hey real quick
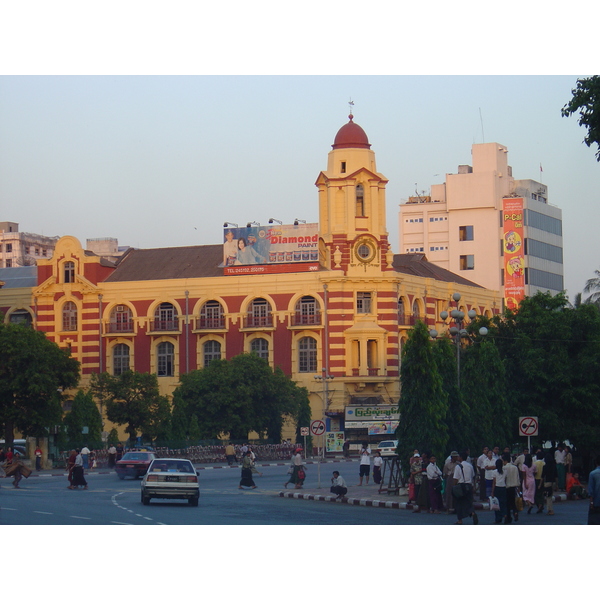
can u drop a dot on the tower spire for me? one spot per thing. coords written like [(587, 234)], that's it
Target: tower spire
[(350, 105)]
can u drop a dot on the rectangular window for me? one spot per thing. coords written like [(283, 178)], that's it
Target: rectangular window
[(363, 302), (9, 262), (343, 167), (543, 222), (9, 247), (465, 233), (467, 262)]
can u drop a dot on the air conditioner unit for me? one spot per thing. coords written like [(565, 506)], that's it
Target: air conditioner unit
[(120, 308)]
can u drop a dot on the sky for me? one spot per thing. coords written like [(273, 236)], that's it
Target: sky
[(158, 161), (155, 122)]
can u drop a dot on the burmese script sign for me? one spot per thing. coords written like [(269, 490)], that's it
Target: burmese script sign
[(377, 412), (271, 249)]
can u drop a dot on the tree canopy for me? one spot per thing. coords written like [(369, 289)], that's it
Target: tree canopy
[(133, 399), (234, 397), (423, 401), (586, 100), (84, 414), (33, 373)]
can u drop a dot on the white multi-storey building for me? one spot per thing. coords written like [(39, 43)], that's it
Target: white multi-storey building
[(19, 249), (461, 225)]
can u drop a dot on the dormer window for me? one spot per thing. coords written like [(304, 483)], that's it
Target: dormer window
[(360, 201), (69, 272)]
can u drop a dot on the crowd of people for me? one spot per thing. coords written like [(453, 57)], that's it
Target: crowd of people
[(510, 483)]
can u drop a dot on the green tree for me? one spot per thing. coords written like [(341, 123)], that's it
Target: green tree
[(423, 402), (586, 100), (592, 287), (234, 397), (84, 413), (551, 354), (133, 399), (33, 373)]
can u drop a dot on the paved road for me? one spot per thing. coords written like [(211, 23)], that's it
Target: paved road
[(110, 501)]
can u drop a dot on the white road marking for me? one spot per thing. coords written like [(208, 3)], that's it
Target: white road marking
[(41, 512), (3, 508), (76, 517)]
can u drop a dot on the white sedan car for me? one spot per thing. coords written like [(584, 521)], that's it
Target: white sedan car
[(388, 448), (171, 478)]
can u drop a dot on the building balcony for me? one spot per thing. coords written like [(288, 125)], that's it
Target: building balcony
[(158, 326), (211, 323), (299, 320), (254, 322), (118, 328), (370, 372)]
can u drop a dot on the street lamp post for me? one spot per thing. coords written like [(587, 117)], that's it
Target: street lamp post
[(457, 331), (325, 378)]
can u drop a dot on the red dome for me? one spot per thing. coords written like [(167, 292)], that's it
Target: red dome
[(351, 135)]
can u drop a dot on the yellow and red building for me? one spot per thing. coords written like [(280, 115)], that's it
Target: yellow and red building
[(333, 320)]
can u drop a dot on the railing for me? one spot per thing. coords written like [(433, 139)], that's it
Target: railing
[(169, 325), (262, 321), (371, 372), (300, 319), (119, 327), (211, 323)]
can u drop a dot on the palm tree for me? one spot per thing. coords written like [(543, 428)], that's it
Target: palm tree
[(593, 285)]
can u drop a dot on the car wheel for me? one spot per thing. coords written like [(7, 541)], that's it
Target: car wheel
[(121, 476), (193, 501), (145, 499)]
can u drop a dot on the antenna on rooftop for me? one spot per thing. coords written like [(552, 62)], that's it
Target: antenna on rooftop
[(481, 119)]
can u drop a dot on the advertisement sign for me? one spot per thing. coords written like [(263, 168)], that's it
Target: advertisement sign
[(334, 441), (270, 249), (514, 252), (382, 427), (373, 412)]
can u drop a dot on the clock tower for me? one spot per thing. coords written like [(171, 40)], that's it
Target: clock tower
[(352, 216)]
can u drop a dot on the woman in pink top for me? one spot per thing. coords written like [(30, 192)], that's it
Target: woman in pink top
[(529, 470)]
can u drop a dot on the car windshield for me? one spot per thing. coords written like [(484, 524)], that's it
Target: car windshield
[(138, 456), (173, 466)]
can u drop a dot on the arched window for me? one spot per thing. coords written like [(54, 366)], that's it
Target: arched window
[(401, 312), (416, 311), (120, 359), (260, 346), (69, 316), (211, 351), (69, 271), (211, 315), (166, 359), (259, 314), (360, 201), (165, 318), (21, 317), (121, 319), (307, 311), (307, 355)]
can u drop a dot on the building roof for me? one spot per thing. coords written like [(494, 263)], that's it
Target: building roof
[(18, 277), (351, 135), (417, 264), (169, 263)]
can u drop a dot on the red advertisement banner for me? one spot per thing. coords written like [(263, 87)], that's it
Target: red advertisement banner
[(514, 252)]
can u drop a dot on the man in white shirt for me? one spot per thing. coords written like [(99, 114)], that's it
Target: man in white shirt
[(365, 463), (338, 485), (464, 476), (481, 472), (513, 481)]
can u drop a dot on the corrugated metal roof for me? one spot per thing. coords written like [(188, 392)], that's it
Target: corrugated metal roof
[(417, 264), (183, 262), (19, 277)]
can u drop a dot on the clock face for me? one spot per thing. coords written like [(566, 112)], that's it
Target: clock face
[(365, 251)]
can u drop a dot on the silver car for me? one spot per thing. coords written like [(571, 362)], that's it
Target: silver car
[(171, 478), (388, 448)]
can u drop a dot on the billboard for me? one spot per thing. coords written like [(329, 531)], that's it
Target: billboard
[(270, 249), (514, 252)]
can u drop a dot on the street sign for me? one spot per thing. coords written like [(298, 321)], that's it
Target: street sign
[(528, 426), (304, 431), (317, 427)]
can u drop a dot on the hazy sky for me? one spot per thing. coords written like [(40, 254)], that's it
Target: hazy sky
[(165, 160)]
